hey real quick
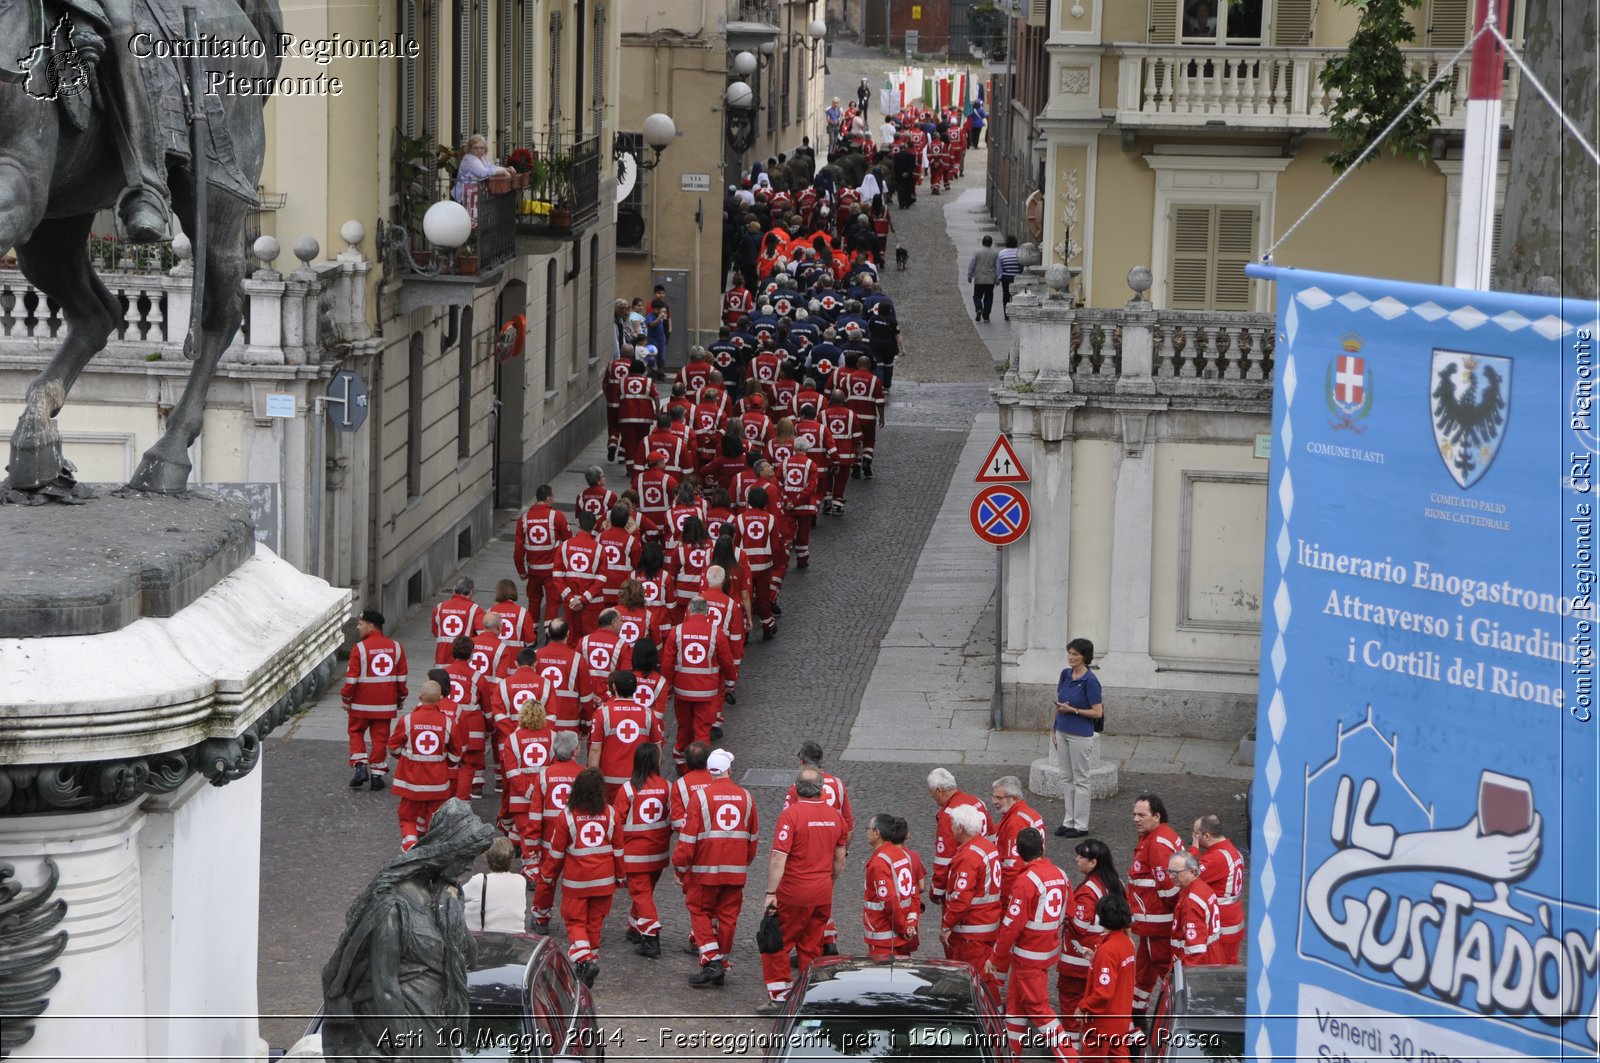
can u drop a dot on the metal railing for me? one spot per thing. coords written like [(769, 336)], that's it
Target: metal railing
[(562, 193)]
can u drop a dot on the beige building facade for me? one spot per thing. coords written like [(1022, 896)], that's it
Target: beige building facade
[(451, 431), (678, 58), (1179, 141)]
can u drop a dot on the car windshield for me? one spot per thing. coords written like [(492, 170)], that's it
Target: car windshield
[(878, 1037), (498, 1033)]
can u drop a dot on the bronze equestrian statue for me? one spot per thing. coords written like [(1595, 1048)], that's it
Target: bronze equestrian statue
[(73, 94)]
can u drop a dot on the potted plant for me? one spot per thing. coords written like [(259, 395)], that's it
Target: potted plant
[(559, 183), (521, 162), (467, 256), (417, 162)]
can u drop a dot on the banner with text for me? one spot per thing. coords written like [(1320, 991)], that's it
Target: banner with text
[(1424, 866)]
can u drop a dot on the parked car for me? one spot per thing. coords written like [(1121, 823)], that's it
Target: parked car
[(848, 1008), (1199, 1014), (527, 1005)]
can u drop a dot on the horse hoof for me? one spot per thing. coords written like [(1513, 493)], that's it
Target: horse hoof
[(33, 465), (161, 476)]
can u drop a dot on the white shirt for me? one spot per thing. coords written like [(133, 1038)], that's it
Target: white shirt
[(886, 134), (496, 901)]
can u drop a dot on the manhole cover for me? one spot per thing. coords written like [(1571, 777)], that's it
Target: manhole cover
[(767, 777)]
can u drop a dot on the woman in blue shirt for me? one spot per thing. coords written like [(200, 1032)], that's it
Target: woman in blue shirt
[(1078, 705)]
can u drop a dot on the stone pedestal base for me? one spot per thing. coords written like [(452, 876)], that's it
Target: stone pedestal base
[(1044, 776)]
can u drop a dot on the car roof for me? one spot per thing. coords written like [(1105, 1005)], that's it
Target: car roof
[(838, 985), (499, 972), (1214, 992)]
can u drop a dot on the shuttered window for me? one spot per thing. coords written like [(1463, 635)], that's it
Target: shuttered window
[(1163, 21), (480, 70), (504, 78), (1292, 21), (1447, 23), (524, 104), (1210, 245), (410, 101), (1038, 13)]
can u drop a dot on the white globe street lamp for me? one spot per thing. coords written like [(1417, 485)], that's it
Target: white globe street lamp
[(447, 225), (744, 64), (739, 96)]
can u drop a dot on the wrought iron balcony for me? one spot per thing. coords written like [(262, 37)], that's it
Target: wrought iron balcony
[(448, 277), (561, 194), (1240, 87)]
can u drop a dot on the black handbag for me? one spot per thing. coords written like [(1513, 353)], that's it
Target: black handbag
[(769, 936), (1100, 721)]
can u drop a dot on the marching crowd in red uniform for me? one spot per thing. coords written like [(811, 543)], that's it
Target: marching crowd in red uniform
[(651, 594)]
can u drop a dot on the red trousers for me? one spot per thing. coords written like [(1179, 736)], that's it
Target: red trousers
[(802, 539), (532, 852), (583, 917), (542, 601), (631, 439), (869, 438), (414, 819), (613, 424), (761, 597), (1028, 1004), (713, 918), (695, 718), (841, 480), (642, 914), (359, 727), (802, 933), (976, 952), (1070, 984), (1151, 960), (1229, 944)]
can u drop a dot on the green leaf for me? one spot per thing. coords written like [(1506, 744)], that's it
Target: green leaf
[(1373, 87)]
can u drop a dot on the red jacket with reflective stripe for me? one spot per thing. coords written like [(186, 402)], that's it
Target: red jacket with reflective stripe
[(453, 617), (1222, 868), (585, 849), (375, 682), (684, 788), (756, 532), (834, 795), (718, 839), (620, 726), (645, 815), (889, 913), (696, 659), (1030, 930), (972, 899), (1082, 930), (944, 840), (429, 754), (1151, 891), (514, 623), (547, 798), (1018, 818), (562, 670), (523, 756), (510, 694), (1196, 925), (602, 652), (540, 533), (844, 434)]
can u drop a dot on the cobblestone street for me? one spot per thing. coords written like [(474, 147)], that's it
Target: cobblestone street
[(322, 842)]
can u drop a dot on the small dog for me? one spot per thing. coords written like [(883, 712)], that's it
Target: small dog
[(902, 259)]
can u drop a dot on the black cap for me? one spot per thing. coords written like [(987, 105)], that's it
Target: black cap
[(373, 617)]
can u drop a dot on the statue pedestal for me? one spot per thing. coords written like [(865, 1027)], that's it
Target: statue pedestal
[(132, 772)]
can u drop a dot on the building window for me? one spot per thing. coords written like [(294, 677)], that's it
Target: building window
[(1285, 23), (418, 85), (464, 387), (414, 399), (555, 79), (524, 102), (594, 298), (632, 229), (1211, 22), (1211, 243), (550, 326)]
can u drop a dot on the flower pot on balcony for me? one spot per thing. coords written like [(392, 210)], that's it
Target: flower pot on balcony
[(524, 180), (500, 185), (560, 216), (421, 259), (466, 265)]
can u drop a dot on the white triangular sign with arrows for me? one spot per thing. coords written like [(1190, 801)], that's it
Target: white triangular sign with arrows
[(1002, 466)]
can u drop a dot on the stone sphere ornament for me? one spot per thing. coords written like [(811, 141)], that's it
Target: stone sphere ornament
[(1056, 278), (1139, 279)]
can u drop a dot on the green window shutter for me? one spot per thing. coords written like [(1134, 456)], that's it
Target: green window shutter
[(1192, 236), (1163, 21), (1292, 22), (1235, 247), (1447, 23)]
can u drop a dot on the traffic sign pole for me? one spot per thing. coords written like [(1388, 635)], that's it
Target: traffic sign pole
[(997, 702)]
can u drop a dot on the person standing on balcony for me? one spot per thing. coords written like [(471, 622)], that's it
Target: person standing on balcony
[(983, 271), (475, 166)]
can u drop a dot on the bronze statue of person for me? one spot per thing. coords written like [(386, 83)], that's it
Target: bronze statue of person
[(135, 123), (396, 985)]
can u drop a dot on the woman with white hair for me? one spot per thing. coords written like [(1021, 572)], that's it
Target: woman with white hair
[(498, 898), (475, 166)]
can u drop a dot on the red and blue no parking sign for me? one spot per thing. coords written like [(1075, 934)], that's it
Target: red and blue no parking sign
[(1000, 515)]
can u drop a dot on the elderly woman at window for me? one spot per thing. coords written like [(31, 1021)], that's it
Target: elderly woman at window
[(475, 166)]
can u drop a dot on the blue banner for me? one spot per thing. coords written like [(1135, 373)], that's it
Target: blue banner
[(1424, 863)]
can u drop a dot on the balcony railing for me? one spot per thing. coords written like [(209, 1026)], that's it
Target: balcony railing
[(1242, 87), (562, 198), (493, 207)]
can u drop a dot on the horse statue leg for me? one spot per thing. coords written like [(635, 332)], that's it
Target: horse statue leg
[(55, 259), (165, 468)]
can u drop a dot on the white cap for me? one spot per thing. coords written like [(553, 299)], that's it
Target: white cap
[(719, 762)]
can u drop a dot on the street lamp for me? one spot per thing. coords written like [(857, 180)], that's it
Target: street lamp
[(745, 64), (739, 100), (659, 132), (811, 38)]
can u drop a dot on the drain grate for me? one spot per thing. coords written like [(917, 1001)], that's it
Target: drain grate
[(766, 777)]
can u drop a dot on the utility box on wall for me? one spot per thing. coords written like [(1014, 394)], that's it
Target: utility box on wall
[(680, 301)]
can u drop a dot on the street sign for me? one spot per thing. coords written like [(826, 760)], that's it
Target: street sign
[(280, 405), (1000, 515), (695, 182), (1002, 466), (348, 392)]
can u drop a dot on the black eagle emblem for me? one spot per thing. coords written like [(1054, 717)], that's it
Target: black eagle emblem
[(1470, 420)]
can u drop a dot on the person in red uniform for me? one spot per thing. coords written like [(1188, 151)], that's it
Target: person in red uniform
[(374, 688), (636, 414), (602, 651), (515, 623), (618, 368), (644, 810), (1015, 817), (507, 696), (942, 788), (737, 302), (808, 852), (619, 549), (1222, 868), (707, 420), (652, 689), (692, 778), (1105, 1013), (524, 755), (889, 912), (461, 784), (656, 487), (1196, 921), (843, 429), (547, 792), (467, 689), (1028, 943), (757, 529), (540, 533), (800, 477), (755, 425), (716, 845), (579, 581), (695, 369), (427, 758), (596, 498), (972, 897), (456, 615), (562, 670), (690, 559), (697, 663), (1151, 894), (620, 726), (1082, 934), (836, 796), (864, 396), (585, 854), (665, 438)]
